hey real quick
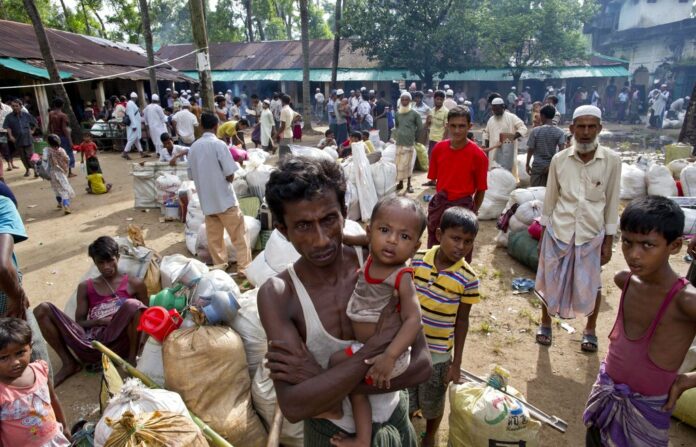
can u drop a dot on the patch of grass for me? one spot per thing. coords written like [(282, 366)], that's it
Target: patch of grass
[(535, 302), (497, 349), (529, 316), (497, 274), (483, 272), (483, 296), (486, 328)]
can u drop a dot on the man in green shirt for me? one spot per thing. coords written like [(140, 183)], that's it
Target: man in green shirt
[(408, 127)]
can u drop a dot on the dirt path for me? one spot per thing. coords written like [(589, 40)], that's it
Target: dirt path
[(556, 380)]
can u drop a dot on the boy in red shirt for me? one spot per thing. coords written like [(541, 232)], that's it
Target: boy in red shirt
[(461, 170), (87, 147)]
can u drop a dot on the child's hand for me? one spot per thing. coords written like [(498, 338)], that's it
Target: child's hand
[(682, 383), (380, 372), (453, 374)]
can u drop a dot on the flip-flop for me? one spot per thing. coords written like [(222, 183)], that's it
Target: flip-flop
[(591, 340), (544, 331)]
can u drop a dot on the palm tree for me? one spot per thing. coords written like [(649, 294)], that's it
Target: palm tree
[(306, 104), (337, 43), (51, 66)]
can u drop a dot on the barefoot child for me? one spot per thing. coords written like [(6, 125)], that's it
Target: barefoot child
[(59, 165), (396, 226), (88, 149), (447, 287), (31, 413), (638, 384), (95, 179)]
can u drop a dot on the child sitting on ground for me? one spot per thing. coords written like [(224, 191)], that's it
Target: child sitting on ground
[(447, 287), (328, 140), (369, 147), (638, 384), (396, 226), (95, 179), (31, 413)]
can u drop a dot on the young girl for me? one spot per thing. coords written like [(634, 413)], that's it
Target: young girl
[(297, 125), (396, 226), (30, 414), (95, 179), (58, 163)]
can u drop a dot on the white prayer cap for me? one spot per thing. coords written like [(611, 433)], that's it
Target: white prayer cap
[(219, 93), (467, 103), (497, 102), (588, 110), (318, 89), (430, 90), (267, 102), (513, 88), (663, 85), (197, 95), (687, 98), (362, 89), (339, 92), (185, 103), (155, 97), (449, 92), (446, 86), (169, 90), (371, 92), (133, 95), (352, 91), (460, 99), (229, 91), (405, 94)]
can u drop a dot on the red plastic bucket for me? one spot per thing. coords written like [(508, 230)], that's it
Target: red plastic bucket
[(159, 322)]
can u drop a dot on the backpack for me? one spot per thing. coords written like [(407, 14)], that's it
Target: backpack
[(43, 167), (126, 120)]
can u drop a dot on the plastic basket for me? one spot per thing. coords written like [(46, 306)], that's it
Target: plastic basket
[(262, 239), (250, 206)]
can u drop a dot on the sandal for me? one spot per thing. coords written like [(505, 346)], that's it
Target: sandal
[(544, 335), (589, 343)]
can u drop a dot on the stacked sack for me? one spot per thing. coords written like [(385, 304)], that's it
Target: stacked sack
[(644, 178), (522, 209), (501, 183)]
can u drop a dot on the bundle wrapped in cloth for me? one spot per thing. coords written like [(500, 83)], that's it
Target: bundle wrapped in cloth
[(156, 429)]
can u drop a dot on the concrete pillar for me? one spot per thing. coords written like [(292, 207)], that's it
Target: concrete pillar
[(140, 87), (100, 95), (284, 87), (42, 104)]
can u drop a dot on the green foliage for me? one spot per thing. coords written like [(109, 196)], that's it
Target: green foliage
[(225, 22), (519, 34), (318, 28), (427, 37), (125, 21), (14, 10)]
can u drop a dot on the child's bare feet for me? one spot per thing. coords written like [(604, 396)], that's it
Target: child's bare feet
[(344, 440)]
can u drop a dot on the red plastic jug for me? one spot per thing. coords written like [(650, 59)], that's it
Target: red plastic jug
[(159, 322)]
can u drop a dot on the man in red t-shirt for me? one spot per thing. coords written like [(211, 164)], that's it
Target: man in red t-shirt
[(461, 170)]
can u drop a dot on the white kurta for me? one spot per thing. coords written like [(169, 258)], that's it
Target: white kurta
[(267, 124), (156, 122), (507, 123), (134, 131)]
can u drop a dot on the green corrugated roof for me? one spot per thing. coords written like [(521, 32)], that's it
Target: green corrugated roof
[(22, 67), (497, 74)]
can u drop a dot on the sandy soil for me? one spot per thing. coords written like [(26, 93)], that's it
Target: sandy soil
[(555, 379)]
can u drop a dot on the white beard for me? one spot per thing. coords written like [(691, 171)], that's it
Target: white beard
[(403, 109), (584, 148)]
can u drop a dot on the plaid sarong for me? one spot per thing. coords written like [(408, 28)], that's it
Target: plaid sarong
[(625, 418)]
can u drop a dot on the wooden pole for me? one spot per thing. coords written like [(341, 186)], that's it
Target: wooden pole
[(275, 428), (200, 38)]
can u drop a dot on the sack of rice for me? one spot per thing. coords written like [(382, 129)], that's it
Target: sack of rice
[(633, 184), (660, 182), (501, 183), (688, 180)]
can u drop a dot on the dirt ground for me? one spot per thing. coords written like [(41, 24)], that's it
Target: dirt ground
[(555, 379)]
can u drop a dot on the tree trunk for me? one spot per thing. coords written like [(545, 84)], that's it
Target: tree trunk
[(262, 33), (306, 101), (337, 43), (101, 23), (51, 67), (249, 22), (84, 12), (66, 15), (688, 130), (200, 38), (147, 31)]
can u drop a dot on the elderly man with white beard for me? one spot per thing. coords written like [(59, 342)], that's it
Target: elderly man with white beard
[(581, 210)]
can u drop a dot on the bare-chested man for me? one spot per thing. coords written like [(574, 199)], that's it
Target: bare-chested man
[(303, 311)]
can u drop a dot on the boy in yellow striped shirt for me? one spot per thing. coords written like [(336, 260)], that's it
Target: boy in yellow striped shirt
[(446, 286)]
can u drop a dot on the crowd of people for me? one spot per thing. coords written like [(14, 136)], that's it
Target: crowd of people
[(366, 332)]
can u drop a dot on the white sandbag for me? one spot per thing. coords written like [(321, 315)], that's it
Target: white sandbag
[(384, 177), (310, 152), (248, 325), (352, 202), (144, 190), (167, 182), (331, 150), (522, 170), (253, 228), (279, 252), (528, 211), (257, 176), (257, 155), (264, 397), (353, 228), (676, 167), (172, 265), (523, 195), (501, 240), (660, 182), (349, 171), (389, 153), (633, 184), (643, 163), (150, 361), (137, 398), (258, 272), (374, 138), (241, 187), (688, 181), (215, 281), (500, 183), (515, 225), (689, 221)]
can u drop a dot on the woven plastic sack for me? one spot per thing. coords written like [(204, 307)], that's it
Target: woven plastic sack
[(676, 167), (686, 407), (522, 247), (660, 182), (522, 170), (523, 195), (482, 416), (248, 325), (207, 366), (384, 177), (633, 184), (688, 181), (421, 157), (500, 184), (264, 395), (156, 429), (689, 221)]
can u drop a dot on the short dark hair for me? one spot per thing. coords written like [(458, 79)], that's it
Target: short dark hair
[(254, 96), (219, 99), (16, 101), (404, 202), (654, 213), (92, 165), (458, 111), (14, 331), (356, 134), (328, 132), (303, 178), (548, 111), (209, 120), (57, 103), (553, 99), (285, 99), (365, 134), (103, 248), (492, 96), (439, 94), (53, 140), (243, 122), (236, 99), (418, 94), (165, 137), (459, 217)]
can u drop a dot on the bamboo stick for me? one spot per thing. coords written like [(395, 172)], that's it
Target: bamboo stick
[(209, 433), (275, 428)]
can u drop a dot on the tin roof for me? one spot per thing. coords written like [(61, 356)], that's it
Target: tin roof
[(82, 56)]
